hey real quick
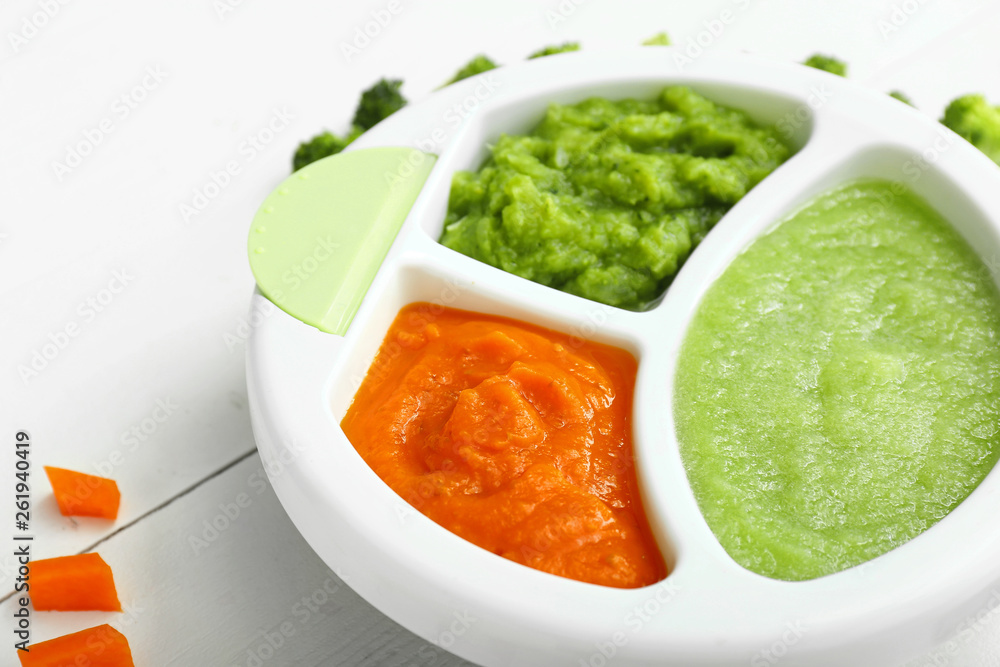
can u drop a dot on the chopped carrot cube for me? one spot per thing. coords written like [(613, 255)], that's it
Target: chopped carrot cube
[(73, 583), (102, 646), (79, 494)]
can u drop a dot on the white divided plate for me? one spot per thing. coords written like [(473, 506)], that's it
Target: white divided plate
[(709, 610)]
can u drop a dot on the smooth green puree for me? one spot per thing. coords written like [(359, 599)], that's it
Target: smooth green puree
[(838, 391), (606, 199)]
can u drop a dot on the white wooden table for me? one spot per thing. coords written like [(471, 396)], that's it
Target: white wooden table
[(136, 141)]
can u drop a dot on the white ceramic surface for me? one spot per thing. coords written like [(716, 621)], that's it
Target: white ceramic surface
[(709, 611)]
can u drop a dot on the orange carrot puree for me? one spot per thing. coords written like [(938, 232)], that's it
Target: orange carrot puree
[(515, 437)]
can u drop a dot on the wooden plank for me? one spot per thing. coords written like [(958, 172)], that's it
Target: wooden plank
[(220, 576)]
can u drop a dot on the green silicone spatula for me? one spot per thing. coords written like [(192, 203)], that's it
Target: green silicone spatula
[(318, 240)]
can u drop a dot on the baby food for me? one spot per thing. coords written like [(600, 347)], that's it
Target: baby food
[(606, 199), (838, 390), (514, 437)]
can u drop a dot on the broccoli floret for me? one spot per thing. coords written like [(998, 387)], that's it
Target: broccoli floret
[(477, 65), (552, 50), (827, 64), (659, 39), (379, 102), (321, 146), (976, 121), (901, 97)]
